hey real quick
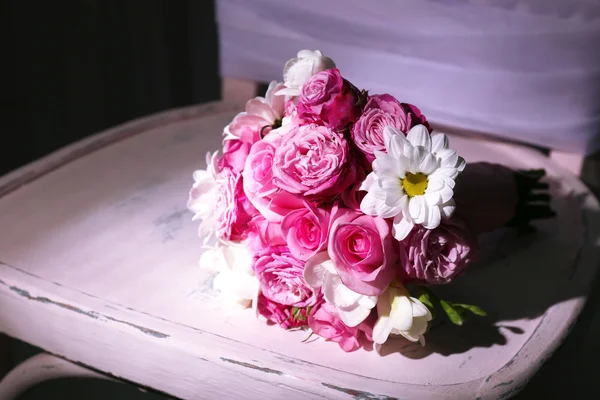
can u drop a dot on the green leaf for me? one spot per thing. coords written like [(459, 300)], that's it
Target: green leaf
[(474, 309), (295, 312), (452, 313), (425, 297)]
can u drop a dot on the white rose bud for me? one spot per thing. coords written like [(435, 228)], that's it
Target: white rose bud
[(298, 71)]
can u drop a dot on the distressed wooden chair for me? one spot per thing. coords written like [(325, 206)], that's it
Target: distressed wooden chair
[(99, 255)]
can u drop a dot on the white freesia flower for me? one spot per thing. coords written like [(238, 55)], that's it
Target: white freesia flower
[(204, 195), (413, 182), (400, 314), (298, 71), (235, 279), (352, 307)]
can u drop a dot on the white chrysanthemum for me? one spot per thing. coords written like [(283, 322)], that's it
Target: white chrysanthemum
[(413, 182), (204, 196)]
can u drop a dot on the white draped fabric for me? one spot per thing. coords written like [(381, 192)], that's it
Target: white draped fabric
[(527, 70)]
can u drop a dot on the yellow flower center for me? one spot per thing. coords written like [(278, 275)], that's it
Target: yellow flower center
[(414, 184)]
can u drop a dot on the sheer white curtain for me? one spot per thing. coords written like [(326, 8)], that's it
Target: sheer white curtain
[(527, 70)]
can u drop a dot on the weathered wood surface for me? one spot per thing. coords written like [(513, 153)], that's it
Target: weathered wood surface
[(99, 265)]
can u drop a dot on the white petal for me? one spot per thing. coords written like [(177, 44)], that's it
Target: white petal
[(354, 316), (287, 92), (419, 309), (448, 158), (433, 198), (448, 209), (461, 164), (401, 228), (337, 293), (368, 182), (383, 326), (434, 183), (368, 301), (417, 154), (433, 218), (446, 193), (385, 165), (439, 142), (402, 316), (428, 164), (315, 271), (416, 208), (419, 136), (394, 141)]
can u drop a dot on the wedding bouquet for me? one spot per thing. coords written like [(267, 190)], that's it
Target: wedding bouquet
[(336, 210)]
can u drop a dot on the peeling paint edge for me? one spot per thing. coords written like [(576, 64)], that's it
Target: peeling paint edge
[(92, 314), (358, 394), (252, 366)]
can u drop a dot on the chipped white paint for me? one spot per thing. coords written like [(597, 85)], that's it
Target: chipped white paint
[(100, 266)]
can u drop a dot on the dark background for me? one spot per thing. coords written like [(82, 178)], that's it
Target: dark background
[(71, 68)]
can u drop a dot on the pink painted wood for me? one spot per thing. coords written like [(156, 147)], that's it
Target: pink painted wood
[(99, 265)]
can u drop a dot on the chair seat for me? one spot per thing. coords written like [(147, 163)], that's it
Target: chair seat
[(99, 265)]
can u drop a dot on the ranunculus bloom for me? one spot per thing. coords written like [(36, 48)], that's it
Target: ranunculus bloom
[(306, 231), (330, 100), (234, 211), (439, 255), (313, 161), (280, 314), (380, 111), (234, 156), (272, 202), (362, 251), (325, 322), (281, 277), (263, 233)]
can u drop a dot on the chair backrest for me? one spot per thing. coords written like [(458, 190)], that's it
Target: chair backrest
[(526, 70)]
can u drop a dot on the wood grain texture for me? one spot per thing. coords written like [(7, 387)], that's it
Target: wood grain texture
[(99, 265)]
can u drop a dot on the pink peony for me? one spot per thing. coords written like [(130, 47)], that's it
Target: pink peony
[(439, 255), (330, 100), (272, 202), (281, 277), (380, 111), (306, 231), (234, 156), (262, 233), (362, 251), (234, 211), (284, 316), (313, 161), (325, 322)]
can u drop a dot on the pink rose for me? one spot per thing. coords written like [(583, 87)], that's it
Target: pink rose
[(306, 231), (284, 316), (272, 202), (439, 255), (234, 209), (362, 251), (313, 161), (353, 196), (380, 111), (234, 156), (329, 99), (281, 277), (325, 322), (262, 233)]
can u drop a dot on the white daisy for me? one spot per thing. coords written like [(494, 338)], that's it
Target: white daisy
[(413, 182), (204, 195)]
